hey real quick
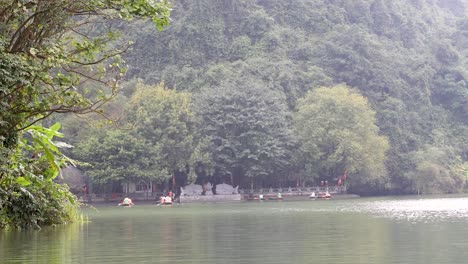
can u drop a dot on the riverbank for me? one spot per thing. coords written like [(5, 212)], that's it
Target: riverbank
[(214, 199)]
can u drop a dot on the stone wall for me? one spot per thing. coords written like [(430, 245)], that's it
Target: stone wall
[(210, 198)]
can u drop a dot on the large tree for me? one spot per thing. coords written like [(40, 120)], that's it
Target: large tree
[(437, 170), (49, 48), (154, 140), (164, 118), (337, 133), (249, 130), (114, 155)]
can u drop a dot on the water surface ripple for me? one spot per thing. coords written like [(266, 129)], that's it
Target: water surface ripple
[(435, 209), (413, 230)]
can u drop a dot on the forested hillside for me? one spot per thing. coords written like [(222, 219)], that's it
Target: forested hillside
[(278, 93)]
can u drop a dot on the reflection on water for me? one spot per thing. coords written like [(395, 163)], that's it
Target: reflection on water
[(441, 209), (49, 245), (336, 231)]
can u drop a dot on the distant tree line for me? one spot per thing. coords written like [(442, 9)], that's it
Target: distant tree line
[(243, 135)]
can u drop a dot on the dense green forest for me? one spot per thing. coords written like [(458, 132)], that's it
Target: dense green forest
[(273, 93)]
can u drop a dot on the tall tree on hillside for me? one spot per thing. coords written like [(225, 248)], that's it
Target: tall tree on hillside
[(165, 120), (337, 133), (112, 155), (436, 170), (156, 141), (249, 131)]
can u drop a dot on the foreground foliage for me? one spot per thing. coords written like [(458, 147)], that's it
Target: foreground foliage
[(28, 195), (53, 59)]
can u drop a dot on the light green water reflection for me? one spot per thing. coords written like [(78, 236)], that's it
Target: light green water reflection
[(346, 231)]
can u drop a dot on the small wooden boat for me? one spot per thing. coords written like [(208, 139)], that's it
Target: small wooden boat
[(275, 198), (166, 200), (313, 196), (324, 195), (126, 202), (251, 197)]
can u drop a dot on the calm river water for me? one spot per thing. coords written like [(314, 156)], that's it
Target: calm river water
[(378, 231)]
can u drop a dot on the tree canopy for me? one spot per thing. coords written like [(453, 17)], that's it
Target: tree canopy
[(249, 131), (49, 48), (337, 132), (408, 59), (155, 140)]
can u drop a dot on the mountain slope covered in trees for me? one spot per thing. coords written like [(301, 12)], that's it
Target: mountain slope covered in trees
[(407, 58)]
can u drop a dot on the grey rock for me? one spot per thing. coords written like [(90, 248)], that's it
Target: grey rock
[(191, 189), (224, 189)]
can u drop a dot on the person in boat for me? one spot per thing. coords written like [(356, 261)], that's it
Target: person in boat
[(127, 201), (312, 195), (324, 195), (166, 200)]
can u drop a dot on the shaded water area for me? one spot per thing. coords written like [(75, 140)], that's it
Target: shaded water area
[(378, 230)]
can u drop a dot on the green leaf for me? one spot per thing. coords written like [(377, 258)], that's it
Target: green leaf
[(23, 181)]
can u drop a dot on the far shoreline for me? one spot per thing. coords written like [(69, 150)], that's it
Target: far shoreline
[(101, 203)]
